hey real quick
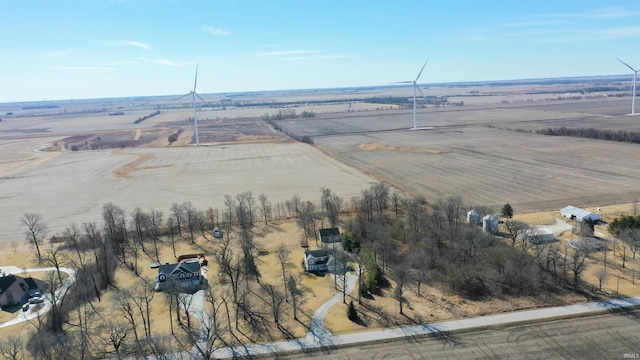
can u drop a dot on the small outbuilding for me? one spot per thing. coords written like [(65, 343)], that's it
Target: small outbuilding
[(537, 235), (578, 214), (328, 236), (490, 224)]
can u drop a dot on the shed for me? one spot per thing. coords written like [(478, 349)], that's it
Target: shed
[(537, 235), (328, 236), (578, 214)]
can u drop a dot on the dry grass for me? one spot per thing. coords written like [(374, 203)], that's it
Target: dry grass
[(126, 170), (537, 218)]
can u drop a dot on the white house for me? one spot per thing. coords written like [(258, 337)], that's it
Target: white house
[(578, 214), (316, 260)]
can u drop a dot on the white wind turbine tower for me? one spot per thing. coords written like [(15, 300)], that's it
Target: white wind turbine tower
[(415, 86), (193, 99), (633, 95)]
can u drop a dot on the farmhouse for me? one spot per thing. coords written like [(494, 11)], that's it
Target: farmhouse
[(185, 274), (577, 214), (316, 260), (15, 290), (328, 236)]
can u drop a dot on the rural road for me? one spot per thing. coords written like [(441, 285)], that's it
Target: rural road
[(437, 330), (30, 314)]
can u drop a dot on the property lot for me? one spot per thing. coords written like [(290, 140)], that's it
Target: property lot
[(72, 187)]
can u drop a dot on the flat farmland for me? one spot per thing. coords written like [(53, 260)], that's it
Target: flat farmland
[(491, 166), (72, 187)]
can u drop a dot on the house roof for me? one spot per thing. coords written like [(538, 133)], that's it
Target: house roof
[(32, 283), (192, 267), (6, 282), (577, 212), (329, 232), (316, 253)]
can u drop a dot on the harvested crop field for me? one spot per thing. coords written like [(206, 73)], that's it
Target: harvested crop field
[(492, 167), (72, 187)]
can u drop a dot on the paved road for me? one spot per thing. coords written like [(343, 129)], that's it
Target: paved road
[(437, 330), (609, 336), (30, 314)]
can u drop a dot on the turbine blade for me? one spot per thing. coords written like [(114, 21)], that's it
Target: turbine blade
[(196, 80), (420, 73), (418, 87), (203, 100), (627, 65), (403, 82), (185, 95)]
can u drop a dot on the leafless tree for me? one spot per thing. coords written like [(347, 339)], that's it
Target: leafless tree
[(54, 258), (296, 294), (142, 294), (228, 264), (36, 230), (155, 226), (266, 207), (276, 297), (113, 332), (211, 328), (602, 276), (516, 229), (380, 192), (283, 255), (140, 224), (578, 265), (178, 215), (402, 275), (126, 305), (230, 205), (396, 199), (115, 228), (190, 216), (12, 347), (171, 226)]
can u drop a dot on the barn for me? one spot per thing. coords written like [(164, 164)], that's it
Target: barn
[(578, 214), (537, 235)]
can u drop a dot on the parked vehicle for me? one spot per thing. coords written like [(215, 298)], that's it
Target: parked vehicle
[(217, 233)]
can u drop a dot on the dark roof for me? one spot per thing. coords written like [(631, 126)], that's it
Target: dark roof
[(32, 284), (6, 281), (316, 253), (329, 232), (193, 267)]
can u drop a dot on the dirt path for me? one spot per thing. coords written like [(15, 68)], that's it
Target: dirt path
[(126, 170)]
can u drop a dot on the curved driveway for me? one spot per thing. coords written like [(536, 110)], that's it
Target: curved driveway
[(30, 314)]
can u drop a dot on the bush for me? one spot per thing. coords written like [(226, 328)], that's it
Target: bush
[(352, 314)]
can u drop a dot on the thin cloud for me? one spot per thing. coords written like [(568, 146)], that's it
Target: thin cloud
[(126, 62), (320, 57), (165, 62), (83, 69), (137, 44), (61, 53), (215, 31), (285, 53)]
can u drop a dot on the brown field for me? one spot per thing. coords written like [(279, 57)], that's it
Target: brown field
[(466, 150)]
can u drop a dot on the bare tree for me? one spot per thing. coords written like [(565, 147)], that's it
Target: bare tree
[(190, 215), (516, 230), (283, 256), (402, 275), (171, 226), (178, 215), (113, 332), (155, 226), (115, 228), (578, 265), (142, 294), (36, 230), (12, 347), (602, 276), (396, 199), (266, 207)]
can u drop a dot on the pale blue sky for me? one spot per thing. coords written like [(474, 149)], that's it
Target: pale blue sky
[(106, 48)]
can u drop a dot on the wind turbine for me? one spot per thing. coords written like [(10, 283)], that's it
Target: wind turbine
[(633, 96), (415, 86), (193, 99)]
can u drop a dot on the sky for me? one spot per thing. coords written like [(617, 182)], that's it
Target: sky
[(78, 49)]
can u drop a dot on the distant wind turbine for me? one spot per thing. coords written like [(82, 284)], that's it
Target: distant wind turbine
[(633, 96), (193, 99), (415, 86)]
